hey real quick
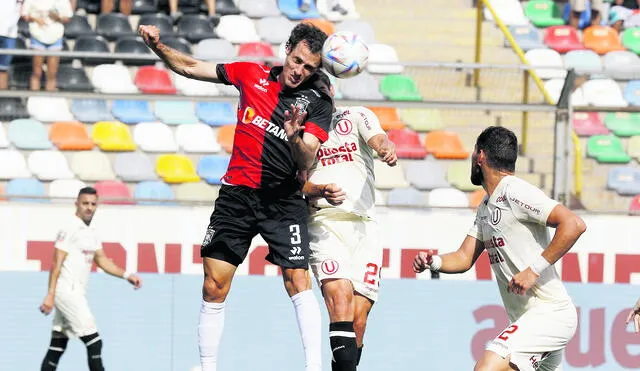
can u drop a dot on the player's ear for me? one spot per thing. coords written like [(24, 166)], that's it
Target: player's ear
[(287, 47)]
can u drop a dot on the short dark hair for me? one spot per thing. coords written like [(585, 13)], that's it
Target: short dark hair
[(500, 145), (87, 191), (314, 37)]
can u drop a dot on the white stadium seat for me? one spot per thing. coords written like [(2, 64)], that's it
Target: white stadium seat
[(275, 30), (92, 166), (195, 87), (65, 188), (389, 177), (13, 165), (383, 59), (212, 49), (199, 138), (603, 93), (510, 12), (49, 109), (4, 141), (548, 58), (324, 7), (447, 197), (554, 88), (49, 165), (113, 79), (154, 137), (237, 29)]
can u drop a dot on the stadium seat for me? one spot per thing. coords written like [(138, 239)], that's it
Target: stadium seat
[(13, 165), (274, 30), (193, 87), (399, 87), (527, 37), (476, 197), (73, 79), (19, 76), (91, 166), (196, 192), (65, 188), (554, 88), (195, 27), (176, 169), (458, 175), (153, 192), (258, 8), (178, 43), (154, 80), (422, 119), (134, 167), (585, 17), (624, 180), (25, 188), (634, 206), (48, 109), (134, 45), (407, 143), (28, 134), (258, 49), (211, 168), (383, 59), (361, 87), (631, 39), (49, 165), (154, 137), (113, 79), (4, 140), (380, 199), (621, 65), (445, 144), (325, 7), (132, 111), (12, 108), (588, 124), (92, 43), (388, 117), (225, 7), (562, 39), (160, 20), (216, 113), (633, 147), (90, 110), (544, 13), (113, 192), (213, 49), (112, 136), (426, 175), (388, 177), (360, 27), (602, 39), (198, 138), (70, 136), (225, 136), (237, 29), (326, 26), (623, 124), (546, 58), (607, 149), (603, 93), (175, 112), (509, 11), (405, 197), (77, 26), (632, 92), (113, 26), (447, 197), (291, 9), (583, 62)]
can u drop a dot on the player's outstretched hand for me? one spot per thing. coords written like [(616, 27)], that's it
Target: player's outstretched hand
[(522, 282), (333, 194), (293, 121), (423, 261), (150, 35), (387, 153), (135, 281), (634, 315), (47, 304)]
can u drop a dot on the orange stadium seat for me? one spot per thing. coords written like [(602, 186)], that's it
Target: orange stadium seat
[(476, 197), (407, 143), (602, 39), (175, 168), (389, 118), (70, 136), (326, 26), (445, 144), (225, 136), (113, 192), (113, 136)]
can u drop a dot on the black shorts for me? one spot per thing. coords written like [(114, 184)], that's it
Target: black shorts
[(241, 213)]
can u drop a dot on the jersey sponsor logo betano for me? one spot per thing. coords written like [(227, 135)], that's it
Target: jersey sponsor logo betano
[(336, 155), (251, 117)]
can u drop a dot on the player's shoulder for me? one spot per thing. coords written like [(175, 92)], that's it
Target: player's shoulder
[(70, 224), (519, 185), (250, 68)]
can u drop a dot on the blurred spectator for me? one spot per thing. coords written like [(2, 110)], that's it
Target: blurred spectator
[(46, 25), (579, 6), (623, 14), (336, 6), (9, 17), (175, 14), (106, 6)]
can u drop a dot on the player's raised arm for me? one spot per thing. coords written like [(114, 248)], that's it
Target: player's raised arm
[(107, 265), (58, 258), (304, 146), (459, 261), (180, 63), (370, 129)]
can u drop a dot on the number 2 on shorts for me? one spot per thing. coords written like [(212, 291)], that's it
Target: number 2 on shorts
[(510, 330), (371, 274), (295, 234)]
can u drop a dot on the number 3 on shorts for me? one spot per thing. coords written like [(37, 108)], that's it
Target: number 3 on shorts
[(295, 234)]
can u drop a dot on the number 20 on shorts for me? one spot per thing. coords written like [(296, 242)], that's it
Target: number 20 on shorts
[(372, 275), (510, 330)]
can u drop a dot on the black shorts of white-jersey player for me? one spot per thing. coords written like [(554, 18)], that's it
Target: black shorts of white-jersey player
[(348, 309), (282, 120), (76, 248), (512, 226)]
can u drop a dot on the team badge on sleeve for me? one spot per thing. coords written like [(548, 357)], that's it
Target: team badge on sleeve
[(62, 235)]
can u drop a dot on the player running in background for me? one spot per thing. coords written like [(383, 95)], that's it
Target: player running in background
[(634, 315), (282, 120), (511, 224), (346, 256), (77, 247)]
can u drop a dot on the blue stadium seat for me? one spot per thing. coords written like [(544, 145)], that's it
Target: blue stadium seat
[(528, 37), (25, 187), (216, 113), (91, 110), (291, 9), (632, 93), (153, 190), (624, 180), (132, 111), (405, 197), (585, 17), (211, 168), (175, 112), (28, 134)]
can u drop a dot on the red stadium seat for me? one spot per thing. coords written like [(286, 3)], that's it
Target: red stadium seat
[(256, 49), (388, 117), (562, 39), (407, 143), (153, 80), (634, 208), (114, 192), (588, 124)]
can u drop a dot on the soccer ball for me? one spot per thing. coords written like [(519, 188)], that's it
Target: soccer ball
[(344, 54)]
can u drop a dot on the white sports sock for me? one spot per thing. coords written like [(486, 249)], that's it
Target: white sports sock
[(310, 325), (209, 334)]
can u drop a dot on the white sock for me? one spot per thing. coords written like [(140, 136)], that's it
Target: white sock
[(209, 334), (310, 325)]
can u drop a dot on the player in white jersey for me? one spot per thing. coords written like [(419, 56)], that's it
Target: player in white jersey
[(634, 315), (346, 255), (511, 224), (76, 248)]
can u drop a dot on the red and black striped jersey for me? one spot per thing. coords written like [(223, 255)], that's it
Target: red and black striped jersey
[(261, 155)]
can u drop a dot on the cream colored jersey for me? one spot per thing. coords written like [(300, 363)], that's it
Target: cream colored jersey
[(347, 160), (512, 225), (80, 242)]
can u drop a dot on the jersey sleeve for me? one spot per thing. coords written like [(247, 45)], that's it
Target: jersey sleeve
[(368, 123), (232, 73), (530, 204), (475, 230), (319, 118), (63, 239)]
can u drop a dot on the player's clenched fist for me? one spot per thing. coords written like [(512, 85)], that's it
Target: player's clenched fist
[(423, 261), (334, 194), (47, 305), (150, 34), (387, 153)]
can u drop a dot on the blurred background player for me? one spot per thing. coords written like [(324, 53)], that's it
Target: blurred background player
[(282, 121), (76, 248), (634, 315), (9, 17), (346, 255), (511, 224)]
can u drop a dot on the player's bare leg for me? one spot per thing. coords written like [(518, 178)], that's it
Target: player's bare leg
[(57, 347), (297, 282), (363, 307), (218, 275), (491, 361), (338, 297)]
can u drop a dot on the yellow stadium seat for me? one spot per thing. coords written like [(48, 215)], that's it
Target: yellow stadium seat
[(112, 136), (176, 169)]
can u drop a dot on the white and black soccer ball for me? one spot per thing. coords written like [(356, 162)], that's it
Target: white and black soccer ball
[(344, 54)]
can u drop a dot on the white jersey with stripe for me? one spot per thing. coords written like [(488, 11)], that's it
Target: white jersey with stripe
[(80, 242)]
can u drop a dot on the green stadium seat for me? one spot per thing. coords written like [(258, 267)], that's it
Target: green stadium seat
[(631, 39), (607, 148), (458, 176), (399, 87), (623, 124), (544, 13), (422, 119)]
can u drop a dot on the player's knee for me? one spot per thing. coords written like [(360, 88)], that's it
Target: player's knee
[(360, 324), (214, 290)]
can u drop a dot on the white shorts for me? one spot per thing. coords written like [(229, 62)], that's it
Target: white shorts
[(346, 246), (73, 316), (537, 339)]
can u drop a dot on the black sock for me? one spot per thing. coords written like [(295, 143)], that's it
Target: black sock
[(359, 354), (343, 346), (93, 343), (56, 348)]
